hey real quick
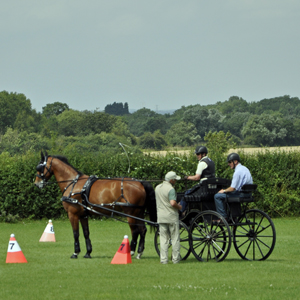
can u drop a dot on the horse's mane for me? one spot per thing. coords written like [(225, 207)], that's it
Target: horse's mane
[(65, 160)]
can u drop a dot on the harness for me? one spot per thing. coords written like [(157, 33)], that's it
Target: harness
[(88, 206), (72, 182), (85, 193)]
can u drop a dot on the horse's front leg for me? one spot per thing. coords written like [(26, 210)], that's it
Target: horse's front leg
[(86, 232), (75, 225)]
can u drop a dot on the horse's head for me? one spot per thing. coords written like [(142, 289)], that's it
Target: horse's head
[(43, 170)]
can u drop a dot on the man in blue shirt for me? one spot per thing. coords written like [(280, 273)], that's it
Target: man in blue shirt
[(240, 177)]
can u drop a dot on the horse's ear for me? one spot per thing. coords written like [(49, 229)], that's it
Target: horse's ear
[(42, 156), (46, 153)]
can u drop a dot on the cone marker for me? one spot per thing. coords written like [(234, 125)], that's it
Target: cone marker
[(123, 256), (14, 252), (48, 234)]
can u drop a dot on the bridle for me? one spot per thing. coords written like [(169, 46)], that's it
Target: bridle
[(41, 167)]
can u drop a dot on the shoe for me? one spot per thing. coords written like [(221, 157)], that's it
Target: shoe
[(164, 262)]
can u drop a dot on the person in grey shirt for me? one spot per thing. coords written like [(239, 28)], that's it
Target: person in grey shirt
[(168, 217)]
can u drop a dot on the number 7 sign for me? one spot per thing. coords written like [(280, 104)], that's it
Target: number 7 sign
[(14, 252)]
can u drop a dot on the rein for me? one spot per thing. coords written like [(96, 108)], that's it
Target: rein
[(102, 178), (112, 216)]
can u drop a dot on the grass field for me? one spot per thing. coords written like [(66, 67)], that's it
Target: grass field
[(238, 150), (51, 274)]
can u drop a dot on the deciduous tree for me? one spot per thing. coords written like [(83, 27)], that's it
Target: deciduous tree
[(264, 130), (54, 109)]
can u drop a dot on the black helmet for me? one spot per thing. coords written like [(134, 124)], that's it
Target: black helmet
[(201, 149), (233, 156)]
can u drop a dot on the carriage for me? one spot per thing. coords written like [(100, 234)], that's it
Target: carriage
[(209, 236), (251, 231)]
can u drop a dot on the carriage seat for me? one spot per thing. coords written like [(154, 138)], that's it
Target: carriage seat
[(206, 190), (245, 195), (192, 198)]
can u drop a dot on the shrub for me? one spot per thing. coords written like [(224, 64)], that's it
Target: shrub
[(277, 175)]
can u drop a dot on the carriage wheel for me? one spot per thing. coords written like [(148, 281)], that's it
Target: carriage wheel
[(254, 236), (184, 241), (209, 239)]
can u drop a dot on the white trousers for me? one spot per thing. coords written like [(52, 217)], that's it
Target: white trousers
[(167, 232)]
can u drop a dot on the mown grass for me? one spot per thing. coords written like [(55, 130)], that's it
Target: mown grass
[(51, 274)]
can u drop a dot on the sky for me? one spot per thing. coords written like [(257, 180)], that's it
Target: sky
[(159, 54)]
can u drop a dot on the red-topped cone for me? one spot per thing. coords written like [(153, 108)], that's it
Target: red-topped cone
[(123, 254), (14, 252), (48, 235)]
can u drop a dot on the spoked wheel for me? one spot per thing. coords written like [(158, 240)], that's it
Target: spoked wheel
[(210, 239), (184, 241), (254, 236)]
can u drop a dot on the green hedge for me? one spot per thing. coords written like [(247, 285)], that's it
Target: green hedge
[(276, 173)]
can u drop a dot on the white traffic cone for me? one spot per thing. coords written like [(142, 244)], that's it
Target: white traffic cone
[(48, 234)]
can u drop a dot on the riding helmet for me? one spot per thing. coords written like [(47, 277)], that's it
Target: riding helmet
[(233, 156), (201, 149)]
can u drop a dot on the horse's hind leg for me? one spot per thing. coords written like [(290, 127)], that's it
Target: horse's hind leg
[(135, 235), (137, 229), (142, 231), (86, 232)]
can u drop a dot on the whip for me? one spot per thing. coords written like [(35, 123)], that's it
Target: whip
[(122, 145)]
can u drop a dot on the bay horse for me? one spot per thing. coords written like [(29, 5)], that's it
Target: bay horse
[(130, 196)]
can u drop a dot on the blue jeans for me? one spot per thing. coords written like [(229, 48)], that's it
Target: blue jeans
[(219, 202), (182, 202)]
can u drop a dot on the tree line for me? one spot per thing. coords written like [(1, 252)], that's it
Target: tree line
[(268, 122)]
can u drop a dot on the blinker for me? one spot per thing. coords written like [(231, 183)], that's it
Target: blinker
[(40, 168)]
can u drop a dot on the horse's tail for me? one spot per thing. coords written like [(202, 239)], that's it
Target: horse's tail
[(150, 201)]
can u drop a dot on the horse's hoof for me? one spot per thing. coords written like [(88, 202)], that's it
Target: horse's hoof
[(87, 256), (131, 253), (139, 255), (74, 256)]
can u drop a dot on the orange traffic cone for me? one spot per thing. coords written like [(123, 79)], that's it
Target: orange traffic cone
[(123, 254), (48, 234), (14, 252)]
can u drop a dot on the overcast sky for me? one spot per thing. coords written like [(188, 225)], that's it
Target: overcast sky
[(159, 54)]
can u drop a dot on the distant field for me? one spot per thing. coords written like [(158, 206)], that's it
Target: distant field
[(246, 150)]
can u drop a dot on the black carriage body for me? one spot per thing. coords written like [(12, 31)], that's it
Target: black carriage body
[(201, 196), (252, 231)]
